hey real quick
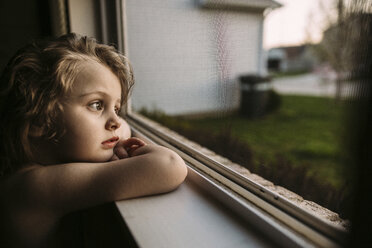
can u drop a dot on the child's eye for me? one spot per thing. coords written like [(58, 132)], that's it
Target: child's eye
[(96, 105)]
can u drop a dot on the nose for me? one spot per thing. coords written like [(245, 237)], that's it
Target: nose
[(113, 123)]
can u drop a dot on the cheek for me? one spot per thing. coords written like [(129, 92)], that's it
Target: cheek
[(82, 124), (82, 133), (83, 137), (84, 146)]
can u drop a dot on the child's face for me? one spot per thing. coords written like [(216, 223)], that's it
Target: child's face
[(91, 116)]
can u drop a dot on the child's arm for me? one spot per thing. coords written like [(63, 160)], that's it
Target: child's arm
[(68, 187)]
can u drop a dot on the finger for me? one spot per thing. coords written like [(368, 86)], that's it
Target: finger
[(114, 157), (132, 149), (120, 152), (133, 141)]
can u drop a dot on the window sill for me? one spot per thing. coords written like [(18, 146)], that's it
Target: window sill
[(202, 212), (312, 207), (187, 217)]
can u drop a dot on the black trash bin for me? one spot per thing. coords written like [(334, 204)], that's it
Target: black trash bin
[(254, 95)]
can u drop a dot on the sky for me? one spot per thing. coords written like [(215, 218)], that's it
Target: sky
[(295, 22)]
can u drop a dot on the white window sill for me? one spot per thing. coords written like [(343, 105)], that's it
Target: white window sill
[(203, 212), (186, 217)]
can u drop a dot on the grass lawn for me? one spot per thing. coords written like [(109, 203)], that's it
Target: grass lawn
[(307, 131), (288, 74)]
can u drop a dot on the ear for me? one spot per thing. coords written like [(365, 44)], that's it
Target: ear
[(35, 131)]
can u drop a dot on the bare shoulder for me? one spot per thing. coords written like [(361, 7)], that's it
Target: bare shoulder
[(24, 219), (41, 195), (22, 192), (16, 188), (34, 199)]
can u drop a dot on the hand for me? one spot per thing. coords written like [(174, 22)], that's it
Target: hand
[(126, 148), (124, 131)]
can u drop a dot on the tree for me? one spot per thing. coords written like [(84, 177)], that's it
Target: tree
[(342, 36)]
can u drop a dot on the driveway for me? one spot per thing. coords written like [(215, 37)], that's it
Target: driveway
[(309, 84)]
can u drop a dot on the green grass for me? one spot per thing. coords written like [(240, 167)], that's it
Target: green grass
[(299, 146), (288, 74), (305, 131)]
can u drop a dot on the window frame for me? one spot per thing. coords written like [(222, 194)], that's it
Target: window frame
[(298, 220), (243, 193)]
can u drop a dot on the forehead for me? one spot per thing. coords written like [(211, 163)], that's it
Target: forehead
[(93, 77)]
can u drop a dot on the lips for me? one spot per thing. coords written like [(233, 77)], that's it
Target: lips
[(110, 143)]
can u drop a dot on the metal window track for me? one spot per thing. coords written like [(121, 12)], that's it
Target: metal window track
[(301, 221)]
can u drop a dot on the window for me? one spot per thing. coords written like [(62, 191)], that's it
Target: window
[(200, 69)]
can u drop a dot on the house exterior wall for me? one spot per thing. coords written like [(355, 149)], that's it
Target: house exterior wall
[(187, 59)]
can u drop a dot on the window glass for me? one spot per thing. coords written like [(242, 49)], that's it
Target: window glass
[(262, 83)]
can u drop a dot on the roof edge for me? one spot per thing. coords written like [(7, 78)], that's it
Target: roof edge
[(239, 4)]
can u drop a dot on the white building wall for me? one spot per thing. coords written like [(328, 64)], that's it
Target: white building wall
[(187, 59)]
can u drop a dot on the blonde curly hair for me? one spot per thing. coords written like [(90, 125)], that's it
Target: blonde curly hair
[(33, 84)]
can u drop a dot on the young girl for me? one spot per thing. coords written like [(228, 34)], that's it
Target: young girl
[(64, 146)]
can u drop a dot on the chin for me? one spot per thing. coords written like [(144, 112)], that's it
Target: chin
[(95, 159), (87, 155), (99, 159), (104, 158)]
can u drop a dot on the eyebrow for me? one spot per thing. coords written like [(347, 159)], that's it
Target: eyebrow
[(95, 93)]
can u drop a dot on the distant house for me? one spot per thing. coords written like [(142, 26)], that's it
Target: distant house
[(188, 54), (291, 58)]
